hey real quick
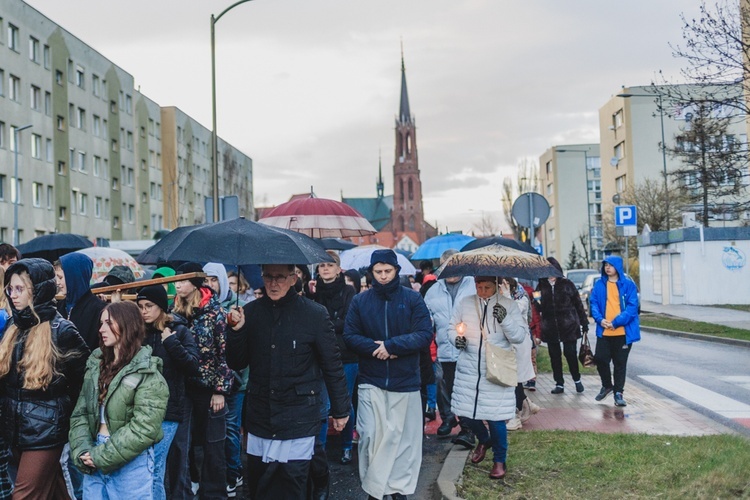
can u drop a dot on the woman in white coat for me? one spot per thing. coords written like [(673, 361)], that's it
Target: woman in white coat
[(524, 406), (481, 318)]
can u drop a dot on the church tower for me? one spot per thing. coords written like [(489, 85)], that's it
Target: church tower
[(408, 214)]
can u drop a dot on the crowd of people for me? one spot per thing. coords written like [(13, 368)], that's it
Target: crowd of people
[(166, 396)]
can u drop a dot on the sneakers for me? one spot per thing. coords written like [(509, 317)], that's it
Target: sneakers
[(446, 427), (619, 401), (530, 385), (233, 488), (603, 393), (465, 438), (579, 386), (346, 456), (559, 389), (514, 424), (528, 409)]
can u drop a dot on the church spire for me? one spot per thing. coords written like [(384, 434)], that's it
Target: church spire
[(380, 185), (404, 115)]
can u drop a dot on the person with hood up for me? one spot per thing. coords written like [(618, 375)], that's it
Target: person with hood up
[(563, 319), (218, 280), (200, 306), (73, 272), (387, 326), (487, 317), (42, 362), (118, 416), (614, 307), (171, 341), (166, 272)]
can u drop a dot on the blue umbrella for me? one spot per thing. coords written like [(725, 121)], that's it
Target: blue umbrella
[(434, 247)]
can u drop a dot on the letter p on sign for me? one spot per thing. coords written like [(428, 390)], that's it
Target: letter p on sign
[(626, 215)]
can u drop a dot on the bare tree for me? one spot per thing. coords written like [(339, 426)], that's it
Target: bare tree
[(574, 258), (486, 226), (713, 163), (527, 180), (584, 241)]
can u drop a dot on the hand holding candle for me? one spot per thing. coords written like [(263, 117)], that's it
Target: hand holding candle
[(460, 338)]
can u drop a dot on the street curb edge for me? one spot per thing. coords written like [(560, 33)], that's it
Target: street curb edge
[(696, 336), (450, 473)]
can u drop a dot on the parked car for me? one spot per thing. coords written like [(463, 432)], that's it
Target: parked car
[(585, 291), (578, 276)]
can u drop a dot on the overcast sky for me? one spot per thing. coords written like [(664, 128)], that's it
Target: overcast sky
[(310, 88)]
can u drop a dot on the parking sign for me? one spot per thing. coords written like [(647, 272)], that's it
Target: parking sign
[(626, 215)]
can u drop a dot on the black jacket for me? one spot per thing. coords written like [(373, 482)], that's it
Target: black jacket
[(179, 355), (336, 297), (40, 419), (86, 315), (562, 311), (291, 349)]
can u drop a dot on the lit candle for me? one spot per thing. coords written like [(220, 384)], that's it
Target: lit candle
[(460, 328)]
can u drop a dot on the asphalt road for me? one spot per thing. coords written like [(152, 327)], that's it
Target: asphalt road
[(719, 368)]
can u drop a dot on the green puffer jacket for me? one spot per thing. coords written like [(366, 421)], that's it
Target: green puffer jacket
[(135, 406)]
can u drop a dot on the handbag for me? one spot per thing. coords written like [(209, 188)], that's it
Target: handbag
[(585, 355), (501, 363)]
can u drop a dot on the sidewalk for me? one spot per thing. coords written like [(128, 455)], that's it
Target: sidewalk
[(706, 314), (647, 412)]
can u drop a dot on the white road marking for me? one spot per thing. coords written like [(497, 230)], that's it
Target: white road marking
[(724, 406), (738, 380)]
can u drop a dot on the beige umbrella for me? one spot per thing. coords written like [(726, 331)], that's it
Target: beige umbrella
[(497, 260)]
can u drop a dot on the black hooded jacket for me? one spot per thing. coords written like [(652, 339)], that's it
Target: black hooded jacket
[(561, 308), (40, 419), (336, 297)]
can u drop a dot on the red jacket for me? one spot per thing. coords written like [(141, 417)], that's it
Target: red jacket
[(535, 325)]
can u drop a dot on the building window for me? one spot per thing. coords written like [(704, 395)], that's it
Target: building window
[(131, 177), (550, 189), (2, 135), (46, 56), (115, 222), (548, 167), (36, 146), (12, 37), (82, 161), (82, 118), (48, 150), (33, 49), (50, 198), (3, 183), (617, 119), (620, 183), (61, 168), (113, 107), (97, 207), (14, 88), (35, 98), (83, 203), (36, 194), (143, 164), (13, 191), (144, 197), (62, 213), (552, 234), (150, 126), (2, 81), (129, 104), (48, 104), (59, 77), (131, 214), (97, 126), (114, 146), (95, 85), (129, 142), (115, 184), (97, 165), (153, 190), (60, 123), (620, 151), (80, 77)]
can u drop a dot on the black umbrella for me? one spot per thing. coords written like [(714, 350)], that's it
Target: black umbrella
[(162, 249), (53, 246), (240, 242), (335, 243), (499, 240)]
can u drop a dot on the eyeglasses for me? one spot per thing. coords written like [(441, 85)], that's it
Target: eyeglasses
[(276, 279), (18, 289)]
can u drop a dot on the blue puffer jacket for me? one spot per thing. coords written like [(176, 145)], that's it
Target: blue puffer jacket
[(399, 317), (628, 316)]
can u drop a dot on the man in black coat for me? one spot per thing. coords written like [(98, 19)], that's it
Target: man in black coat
[(289, 344), (563, 318)]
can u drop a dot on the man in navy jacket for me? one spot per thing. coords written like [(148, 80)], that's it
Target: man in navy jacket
[(387, 326)]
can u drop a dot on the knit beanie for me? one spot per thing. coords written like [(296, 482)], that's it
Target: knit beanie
[(156, 294), (385, 256), (192, 267)]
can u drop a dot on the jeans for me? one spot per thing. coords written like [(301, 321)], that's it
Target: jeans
[(612, 349), (555, 357), (497, 436), (134, 480), (161, 450), (73, 477), (178, 473), (233, 443), (351, 371)]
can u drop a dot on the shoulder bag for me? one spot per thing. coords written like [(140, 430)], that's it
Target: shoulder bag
[(501, 363)]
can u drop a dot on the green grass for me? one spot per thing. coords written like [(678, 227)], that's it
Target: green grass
[(736, 307), (563, 464), (543, 364), (685, 325)]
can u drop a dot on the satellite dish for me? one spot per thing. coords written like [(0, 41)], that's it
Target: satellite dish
[(614, 161)]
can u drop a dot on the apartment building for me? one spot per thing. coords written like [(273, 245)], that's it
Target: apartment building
[(100, 159), (630, 126), (570, 180)]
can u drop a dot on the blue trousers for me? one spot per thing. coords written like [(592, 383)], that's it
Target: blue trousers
[(351, 371), (497, 436), (134, 480), (233, 443), (161, 450)]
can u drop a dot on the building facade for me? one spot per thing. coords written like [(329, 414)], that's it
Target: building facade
[(94, 161), (570, 181)]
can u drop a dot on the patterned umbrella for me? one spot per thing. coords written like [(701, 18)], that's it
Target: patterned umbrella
[(319, 218), (497, 260), (106, 258), (359, 257), (499, 240), (434, 247)]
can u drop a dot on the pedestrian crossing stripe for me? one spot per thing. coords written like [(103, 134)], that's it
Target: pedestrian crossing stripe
[(713, 401), (739, 380)]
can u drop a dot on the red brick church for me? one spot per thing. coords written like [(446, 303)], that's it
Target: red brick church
[(398, 218)]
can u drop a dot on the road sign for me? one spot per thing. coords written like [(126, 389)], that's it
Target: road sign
[(530, 209), (626, 215)]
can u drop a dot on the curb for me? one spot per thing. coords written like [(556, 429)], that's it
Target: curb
[(450, 473), (697, 336)]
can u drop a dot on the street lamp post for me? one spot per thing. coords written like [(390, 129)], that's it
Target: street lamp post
[(16, 147), (663, 147), (588, 199), (214, 138)]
